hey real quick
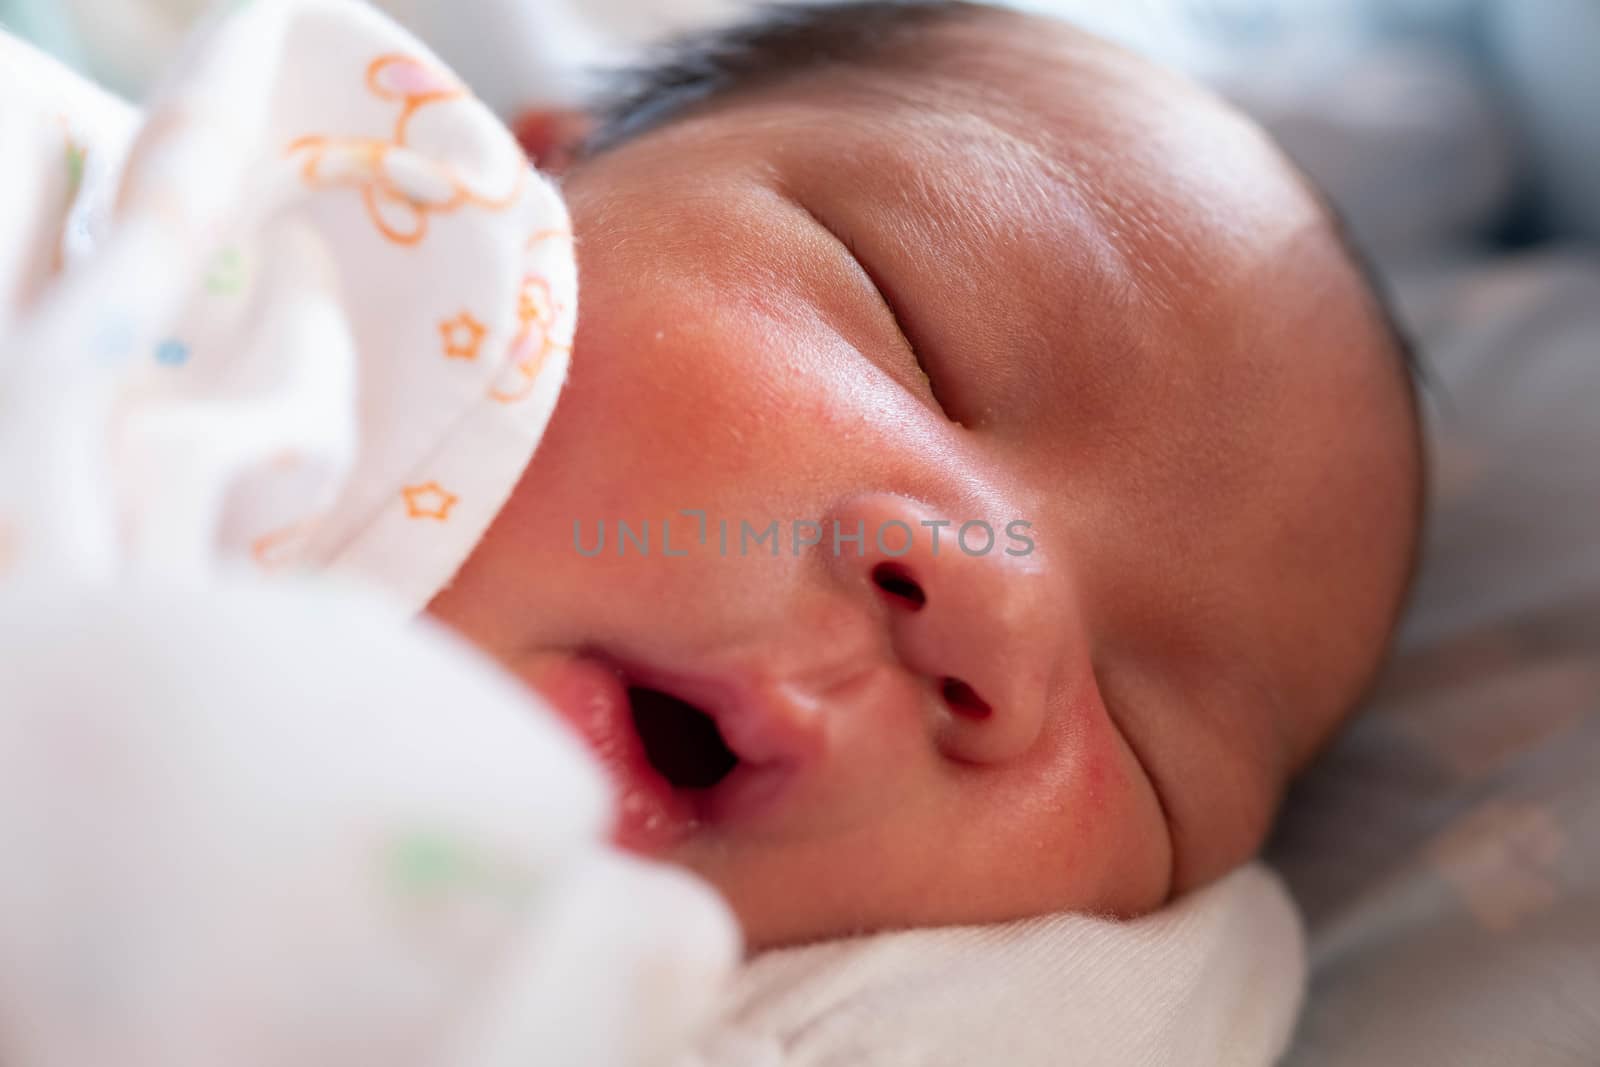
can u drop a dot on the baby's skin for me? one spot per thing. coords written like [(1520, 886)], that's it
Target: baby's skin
[(1008, 275)]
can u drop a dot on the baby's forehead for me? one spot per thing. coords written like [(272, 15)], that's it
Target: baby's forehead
[(1133, 208), (951, 77)]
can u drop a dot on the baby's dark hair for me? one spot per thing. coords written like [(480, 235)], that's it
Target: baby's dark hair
[(776, 42)]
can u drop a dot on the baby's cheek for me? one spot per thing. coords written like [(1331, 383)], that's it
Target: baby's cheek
[(1085, 798), (1122, 814)]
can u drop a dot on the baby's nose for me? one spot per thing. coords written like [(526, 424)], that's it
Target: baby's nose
[(966, 605)]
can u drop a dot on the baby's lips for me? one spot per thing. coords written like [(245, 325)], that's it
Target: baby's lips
[(592, 698), (765, 722), (585, 696)]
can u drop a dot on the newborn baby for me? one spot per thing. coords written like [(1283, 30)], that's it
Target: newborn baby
[(984, 476)]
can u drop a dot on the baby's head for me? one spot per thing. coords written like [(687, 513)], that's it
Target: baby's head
[(891, 266)]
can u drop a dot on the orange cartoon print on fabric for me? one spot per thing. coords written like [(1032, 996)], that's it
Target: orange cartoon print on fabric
[(536, 314), (429, 501), (401, 186)]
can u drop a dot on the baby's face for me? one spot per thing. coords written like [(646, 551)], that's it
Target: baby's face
[(1138, 337)]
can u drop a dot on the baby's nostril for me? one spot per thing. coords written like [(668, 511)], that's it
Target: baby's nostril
[(898, 583), (963, 699)]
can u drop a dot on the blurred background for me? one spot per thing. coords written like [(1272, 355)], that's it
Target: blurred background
[(1446, 854), (1438, 88)]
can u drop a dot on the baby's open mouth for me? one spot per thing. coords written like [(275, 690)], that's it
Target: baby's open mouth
[(684, 752), (681, 741)]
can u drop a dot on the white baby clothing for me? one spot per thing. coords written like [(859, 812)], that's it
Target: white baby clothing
[(313, 219), (1214, 979)]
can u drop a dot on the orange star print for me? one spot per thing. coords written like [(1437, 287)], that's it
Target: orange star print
[(429, 501), (463, 336)]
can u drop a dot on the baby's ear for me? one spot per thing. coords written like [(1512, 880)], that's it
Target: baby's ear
[(552, 136)]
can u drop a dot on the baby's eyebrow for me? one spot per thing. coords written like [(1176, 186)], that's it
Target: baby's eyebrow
[(777, 43)]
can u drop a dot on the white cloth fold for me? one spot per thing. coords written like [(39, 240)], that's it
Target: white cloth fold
[(262, 825), (1214, 979)]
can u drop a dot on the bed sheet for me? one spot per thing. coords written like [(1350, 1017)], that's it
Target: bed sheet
[(1447, 851)]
